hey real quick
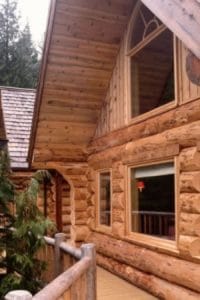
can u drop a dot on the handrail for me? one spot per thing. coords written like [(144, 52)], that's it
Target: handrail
[(49, 241), (76, 253), (64, 281), (58, 286)]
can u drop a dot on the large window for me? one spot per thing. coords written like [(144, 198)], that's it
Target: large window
[(153, 200), (151, 63), (105, 198)]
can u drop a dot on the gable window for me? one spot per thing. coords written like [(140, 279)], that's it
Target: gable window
[(151, 61), (105, 198), (153, 200)]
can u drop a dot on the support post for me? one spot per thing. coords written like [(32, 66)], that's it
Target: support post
[(58, 263), (18, 295), (88, 250)]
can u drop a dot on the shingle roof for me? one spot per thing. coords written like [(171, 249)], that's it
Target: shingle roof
[(18, 106)]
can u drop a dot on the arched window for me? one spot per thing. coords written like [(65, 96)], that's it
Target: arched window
[(150, 51)]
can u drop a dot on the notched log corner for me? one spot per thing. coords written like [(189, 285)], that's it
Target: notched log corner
[(193, 68)]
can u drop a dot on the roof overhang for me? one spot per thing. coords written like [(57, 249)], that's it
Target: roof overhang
[(82, 42)]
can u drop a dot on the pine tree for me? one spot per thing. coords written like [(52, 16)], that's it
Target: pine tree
[(9, 34), (26, 57), (18, 57)]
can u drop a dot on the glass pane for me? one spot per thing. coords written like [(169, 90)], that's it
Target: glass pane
[(144, 25), (105, 199), (152, 199), (152, 74)]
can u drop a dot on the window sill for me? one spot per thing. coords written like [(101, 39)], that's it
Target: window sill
[(153, 243), (153, 112)]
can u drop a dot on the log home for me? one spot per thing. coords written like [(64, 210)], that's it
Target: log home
[(118, 116)]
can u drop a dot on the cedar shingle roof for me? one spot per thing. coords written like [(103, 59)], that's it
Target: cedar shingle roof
[(18, 106)]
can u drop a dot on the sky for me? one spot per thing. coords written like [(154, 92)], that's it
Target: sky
[(36, 13)]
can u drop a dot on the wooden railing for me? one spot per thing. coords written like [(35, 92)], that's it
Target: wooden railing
[(77, 282), (155, 223)]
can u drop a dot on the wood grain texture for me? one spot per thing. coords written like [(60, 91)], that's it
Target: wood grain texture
[(82, 50)]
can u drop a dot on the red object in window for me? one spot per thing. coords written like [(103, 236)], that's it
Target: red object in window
[(140, 185)]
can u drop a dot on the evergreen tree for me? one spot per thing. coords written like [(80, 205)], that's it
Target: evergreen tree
[(24, 268), (9, 34), (27, 64), (18, 57)]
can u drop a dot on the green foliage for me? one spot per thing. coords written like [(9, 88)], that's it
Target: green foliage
[(6, 186), (19, 62), (24, 269)]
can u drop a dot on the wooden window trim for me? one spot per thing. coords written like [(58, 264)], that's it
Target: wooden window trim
[(101, 227), (129, 54), (144, 239)]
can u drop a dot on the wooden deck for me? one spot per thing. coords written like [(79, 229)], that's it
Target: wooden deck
[(111, 287)]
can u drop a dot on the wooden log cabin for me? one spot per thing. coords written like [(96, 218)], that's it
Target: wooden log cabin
[(118, 116)]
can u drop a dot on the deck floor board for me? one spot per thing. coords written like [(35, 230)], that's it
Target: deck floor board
[(111, 287)]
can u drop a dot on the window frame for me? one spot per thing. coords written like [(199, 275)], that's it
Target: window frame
[(129, 53), (100, 226), (145, 239)]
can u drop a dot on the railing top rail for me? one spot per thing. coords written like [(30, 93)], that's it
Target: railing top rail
[(73, 251), (70, 250), (49, 241), (58, 286), (154, 213)]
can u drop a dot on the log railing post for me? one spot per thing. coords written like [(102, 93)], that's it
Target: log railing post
[(88, 250), (18, 295), (58, 265)]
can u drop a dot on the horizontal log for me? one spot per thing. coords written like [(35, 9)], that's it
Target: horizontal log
[(118, 200), (91, 199), (106, 159), (80, 205), (190, 159), (118, 185), (164, 266), (148, 152), (172, 119), (189, 182), (118, 170), (152, 284), (118, 229), (91, 187), (66, 209), (90, 174), (118, 215), (80, 194), (66, 219), (190, 202), (169, 138), (81, 216), (91, 212), (91, 223), (79, 181), (79, 233), (189, 224), (66, 201), (189, 245)]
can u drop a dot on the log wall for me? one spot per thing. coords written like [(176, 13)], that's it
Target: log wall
[(170, 135)]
